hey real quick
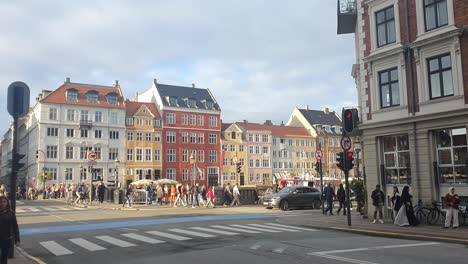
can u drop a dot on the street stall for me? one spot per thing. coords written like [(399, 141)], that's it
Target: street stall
[(139, 190)]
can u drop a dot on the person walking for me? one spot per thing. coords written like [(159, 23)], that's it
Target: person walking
[(236, 194), (179, 200), (166, 194), (227, 195), (101, 190), (378, 198), (340, 194), (405, 215), (173, 195), (128, 197), (329, 195), (196, 192), (210, 196), (149, 194), (9, 230), (159, 194), (396, 201), (451, 204)]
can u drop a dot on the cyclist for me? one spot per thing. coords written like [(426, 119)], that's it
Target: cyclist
[(80, 192)]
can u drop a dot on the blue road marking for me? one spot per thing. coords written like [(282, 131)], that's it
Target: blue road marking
[(107, 225)]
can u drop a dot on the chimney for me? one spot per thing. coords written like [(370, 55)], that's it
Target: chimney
[(282, 124), (136, 97), (307, 107), (67, 80), (117, 83), (155, 81), (326, 110), (193, 85), (268, 122), (245, 121)]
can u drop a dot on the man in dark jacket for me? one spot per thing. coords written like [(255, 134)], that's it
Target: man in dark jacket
[(340, 194), (329, 194), (378, 198), (101, 190)]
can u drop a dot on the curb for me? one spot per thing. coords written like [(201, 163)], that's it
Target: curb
[(26, 255)]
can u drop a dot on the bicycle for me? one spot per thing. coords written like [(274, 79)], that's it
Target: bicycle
[(420, 212), (437, 213)]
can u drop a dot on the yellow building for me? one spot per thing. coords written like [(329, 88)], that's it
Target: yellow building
[(232, 144), (143, 141)]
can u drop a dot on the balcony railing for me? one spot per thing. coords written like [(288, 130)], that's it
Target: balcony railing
[(86, 124), (347, 15)]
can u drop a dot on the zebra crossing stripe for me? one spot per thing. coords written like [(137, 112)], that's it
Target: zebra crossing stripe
[(115, 241), (275, 228), (215, 231), (64, 208), (48, 208), (33, 209), (143, 238), (293, 227), (257, 228), (86, 244), (192, 233), (20, 211), (236, 229), (55, 248), (167, 235)]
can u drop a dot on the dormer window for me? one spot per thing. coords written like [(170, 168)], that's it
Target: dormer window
[(208, 104), (72, 95), (192, 103), (172, 101), (92, 97), (112, 99)]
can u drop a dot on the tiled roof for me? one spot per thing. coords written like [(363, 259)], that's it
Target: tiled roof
[(133, 107), (280, 131), (181, 93), (225, 126), (59, 96), (321, 118)]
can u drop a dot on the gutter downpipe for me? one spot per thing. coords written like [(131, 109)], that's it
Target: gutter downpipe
[(409, 62)]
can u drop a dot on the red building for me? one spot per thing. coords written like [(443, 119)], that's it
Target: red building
[(191, 132)]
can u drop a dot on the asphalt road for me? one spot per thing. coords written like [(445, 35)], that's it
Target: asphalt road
[(238, 238)]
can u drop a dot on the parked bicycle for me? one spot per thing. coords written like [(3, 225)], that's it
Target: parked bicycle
[(420, 212), (437, 214)]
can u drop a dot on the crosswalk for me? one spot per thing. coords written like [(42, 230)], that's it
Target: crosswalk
[(49, 209), (127, 240)]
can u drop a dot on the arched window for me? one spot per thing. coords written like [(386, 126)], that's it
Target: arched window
[(92, 97), (112, 98), (72, 95)]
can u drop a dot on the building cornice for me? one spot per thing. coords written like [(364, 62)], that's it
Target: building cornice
[(440, 35), (382, 54)]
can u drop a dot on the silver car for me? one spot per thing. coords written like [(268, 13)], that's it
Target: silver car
[(293, 197)]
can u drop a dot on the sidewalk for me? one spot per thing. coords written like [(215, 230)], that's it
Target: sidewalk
[(388, 229), (21, 257)]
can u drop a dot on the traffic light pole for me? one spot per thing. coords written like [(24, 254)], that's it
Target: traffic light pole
[(321, 186), (14, 165), (346, 171)]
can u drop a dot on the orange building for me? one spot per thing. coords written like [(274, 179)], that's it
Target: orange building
[(143, 141)]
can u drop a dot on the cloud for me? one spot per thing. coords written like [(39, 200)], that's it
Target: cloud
[(259, 58)]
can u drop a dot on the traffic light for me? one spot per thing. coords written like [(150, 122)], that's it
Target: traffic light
[(349, 120), (340, 161), (16, 162), (349, 160), (317, 166), (37, 154), (239, 168)]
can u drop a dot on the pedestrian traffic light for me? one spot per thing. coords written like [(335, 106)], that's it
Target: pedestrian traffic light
[(340, 161), (349, 120), (239, 168), (349, 160)]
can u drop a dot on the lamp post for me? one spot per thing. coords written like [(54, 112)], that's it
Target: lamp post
[(192, 168), (81, 173), (116, 173)]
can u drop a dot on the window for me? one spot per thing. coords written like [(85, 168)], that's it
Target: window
[(98, 117), (157, 137), (97, 133), (257, 149), (397, 159), (290, 142), (114, 134), (233, 135), (265, 138), (212, 138), (266, 163), (52, 173), (129, 154), (172, 100), (184, 137), (52, 113), (51, 152), (233, 148), (157, 123), (114, 118), (157, 154), (112, 99), (440, 76), (69, 174), (148, 155), (92, 97), (266, 150), (225, 176), (129, 136), (184, 174), (251, 150), (98, 152), (72, 95), (257, 138), (242, 161), (52, 131), (84, 115), (452, 155), (337, 142), (192, 120), (193, 138), (201, 138), (170, 173), (435, 14), (139, 154), (68, 152), (83, 173), (184, 119), (139, 136), (201, 156), (70, 115), (212, 156), (331, 157), (84, 152), (148, 137), (389, 90), (184, 155), (241, 148), (84, 133), (171, 137), (257, 163), (191, 103), (170, 118), (171, 155), (139, 121), (250, 137), (201, 120), (70, 132), (209, 104), (385, 20), (225, 162), (213, 121), (113, 153), (233, 176), (251, 163)]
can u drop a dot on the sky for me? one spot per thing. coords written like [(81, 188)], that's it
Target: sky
[(260, 59)]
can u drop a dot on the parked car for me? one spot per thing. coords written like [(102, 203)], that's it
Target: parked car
[(293, 197)]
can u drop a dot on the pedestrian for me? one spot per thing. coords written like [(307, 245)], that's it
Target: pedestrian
[(210, 196), (166, 193), (9, 230), (62, 191), (236, 194), (128, 197), (255, 195), (188, 197), (101, 190), (378, 198), (329, 195), (149, 194), (340, 194), (173, 195), (196, 192), (405, 215), (3, 190), (179, 200), (159, 194), (202, 195), (227, 195), (451, 205), (396, 201)]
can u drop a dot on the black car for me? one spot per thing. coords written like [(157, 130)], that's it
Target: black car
[(293, 197)]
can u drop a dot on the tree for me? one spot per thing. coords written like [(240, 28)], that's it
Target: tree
[(359, 189)]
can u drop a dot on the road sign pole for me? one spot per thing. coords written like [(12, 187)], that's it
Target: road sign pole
[(346, 171), (321, 186)]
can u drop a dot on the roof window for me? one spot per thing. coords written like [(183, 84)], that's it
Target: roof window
[(92, 97), (72, 95), (112, 99)]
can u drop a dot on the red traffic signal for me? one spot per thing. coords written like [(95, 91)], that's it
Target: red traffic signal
[(350, 154), (349, 120)]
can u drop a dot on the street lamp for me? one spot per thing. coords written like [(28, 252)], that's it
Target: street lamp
[(116, 173), (192, 167)]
